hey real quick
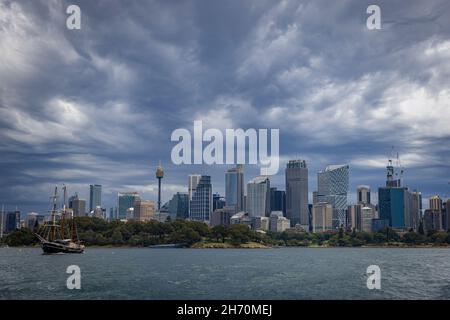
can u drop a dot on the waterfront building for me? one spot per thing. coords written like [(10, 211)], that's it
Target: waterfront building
[(179, 206), (77, 205), (258, 197), (296, 175), (222, 216), (125, 201), (193, 180), (322, 217), (379, 225), (446, 216), (277, 200), (332, 187), (396, 204), (144, 210), (354, 217), (432, 220), (234, 188), (261, 223), (12, 221), (278, 223), (367, 216), (241, 218), (95, 196), (201, 204)]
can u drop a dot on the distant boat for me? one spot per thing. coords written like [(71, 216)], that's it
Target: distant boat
[(60, 234)]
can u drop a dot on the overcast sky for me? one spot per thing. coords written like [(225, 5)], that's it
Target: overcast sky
[(98, 105)]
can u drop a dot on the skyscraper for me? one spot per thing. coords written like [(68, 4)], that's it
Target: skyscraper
[(322, 217), (125, 201), (200, 205), (332, 187), (179, 206), (363, 194), (258, 197), (435, 203), (219, 202), (297, 192), (277, 200), (95, 196), (396, 203), (193, 181), (446, 224), (77, 205), (234, 188)]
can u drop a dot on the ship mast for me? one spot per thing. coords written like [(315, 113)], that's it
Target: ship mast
[(53, 213), (63, 214)]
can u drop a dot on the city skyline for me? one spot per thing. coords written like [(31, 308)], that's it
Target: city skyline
[(338, 92)]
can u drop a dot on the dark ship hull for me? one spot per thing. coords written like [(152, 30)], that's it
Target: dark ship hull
[(53, 247)]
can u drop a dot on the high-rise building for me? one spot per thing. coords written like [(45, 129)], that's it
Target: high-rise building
[(363, 194), (234, 188), (296, 175), (432, 220), (415, 209), (95, 196), (144, 210), (332, 187), (322, 217), (396, 204), (219, 202), (258, 197), (200, 205), (193, 181), (354, 217), (179, 206), (446, 220), (435, 203), (125, 201), (277, 200), (367, 216), (12, 221), (78, 205)]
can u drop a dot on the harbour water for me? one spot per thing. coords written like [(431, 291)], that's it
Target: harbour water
[(286, 273)]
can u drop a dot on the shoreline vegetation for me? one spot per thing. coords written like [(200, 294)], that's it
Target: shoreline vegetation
[(95, 232)]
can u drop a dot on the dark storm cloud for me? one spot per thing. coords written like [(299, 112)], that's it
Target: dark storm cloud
[(98, 105)]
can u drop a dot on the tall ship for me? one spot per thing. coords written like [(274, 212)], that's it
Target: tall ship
[(59, 234)]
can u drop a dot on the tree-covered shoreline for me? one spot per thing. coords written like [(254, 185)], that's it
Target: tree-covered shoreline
[(98, 232)]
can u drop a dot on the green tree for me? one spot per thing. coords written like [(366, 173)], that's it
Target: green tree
[(220, 232), (21, 237)]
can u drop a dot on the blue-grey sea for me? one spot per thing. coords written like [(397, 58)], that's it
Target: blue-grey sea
[(285, 273)]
